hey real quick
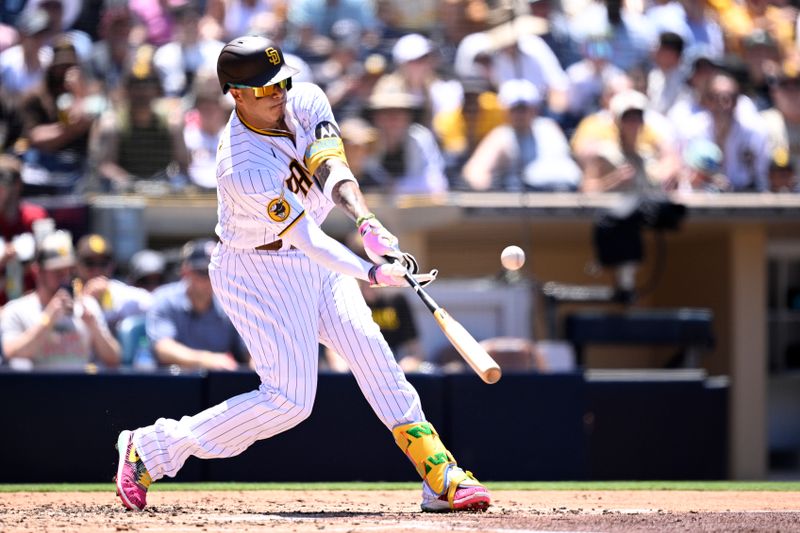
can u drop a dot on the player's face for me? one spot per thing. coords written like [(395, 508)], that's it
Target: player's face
[(260, 109)]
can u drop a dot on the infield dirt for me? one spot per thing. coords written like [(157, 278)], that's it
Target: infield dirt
[(398, 512)]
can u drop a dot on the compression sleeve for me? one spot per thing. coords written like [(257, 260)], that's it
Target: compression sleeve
[(325, 250)]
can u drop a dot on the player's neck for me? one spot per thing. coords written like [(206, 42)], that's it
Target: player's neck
[(261, 124)]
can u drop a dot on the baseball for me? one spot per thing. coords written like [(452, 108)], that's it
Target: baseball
[(512, 257)]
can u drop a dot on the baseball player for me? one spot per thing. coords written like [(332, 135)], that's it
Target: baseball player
[(287, 285)]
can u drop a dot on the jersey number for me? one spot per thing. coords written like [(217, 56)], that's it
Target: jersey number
[(299, 180)]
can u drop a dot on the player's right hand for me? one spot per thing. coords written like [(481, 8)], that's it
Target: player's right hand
[(379, 243), (387, 275)]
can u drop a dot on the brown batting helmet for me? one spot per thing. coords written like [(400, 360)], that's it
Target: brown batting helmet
[(252, 61)]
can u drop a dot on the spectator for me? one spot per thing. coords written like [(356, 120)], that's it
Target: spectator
[(701, 66), (344, 56), (744, 145), (406, 151), (762, 59), (693, 20), (415, 59), (630, 33), (234, 17), (783, 174), (22, 66), (459, 131), (186, 325), (359, 140), (557, 36), (702, 169), (179, 60), (138, 141), (783, 120), (10, 123), (740, 19), (521, 54), (627, 156), (54, 327), (349, 94), (62, 15), (588, 76), (16, 218), (317, 17), (204, 123), (156, 17), (95, 269), (666, 80), (113, 53), (598, 136), (530, 152), (56, 121), (147, 270)]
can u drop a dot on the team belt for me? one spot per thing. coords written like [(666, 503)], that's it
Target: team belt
[(273, 246)]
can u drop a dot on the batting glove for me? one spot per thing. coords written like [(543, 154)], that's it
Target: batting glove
[(379, 243), (393, 275)]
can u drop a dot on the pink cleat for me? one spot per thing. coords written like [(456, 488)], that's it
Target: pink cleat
[(132, 477), (467, 495)]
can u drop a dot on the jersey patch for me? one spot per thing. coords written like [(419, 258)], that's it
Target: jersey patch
[(326, 129), (278, 209)]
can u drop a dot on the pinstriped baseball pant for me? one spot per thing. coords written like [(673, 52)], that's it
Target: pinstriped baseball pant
[(282, 304)]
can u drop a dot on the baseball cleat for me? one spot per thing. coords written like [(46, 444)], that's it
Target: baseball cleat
[(132, 477), (466, 495)]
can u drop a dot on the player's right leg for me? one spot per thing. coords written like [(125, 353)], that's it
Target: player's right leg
[(283, 345), (346, 325)]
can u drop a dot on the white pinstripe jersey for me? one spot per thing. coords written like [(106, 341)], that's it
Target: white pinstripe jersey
[(263, 185)]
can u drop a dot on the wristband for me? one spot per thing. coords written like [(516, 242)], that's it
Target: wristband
[(360, 220), (338, 174)]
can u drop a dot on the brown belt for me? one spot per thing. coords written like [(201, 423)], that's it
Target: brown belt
[(273, 246)]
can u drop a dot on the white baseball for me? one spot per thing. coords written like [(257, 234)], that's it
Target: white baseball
[(512, 257)]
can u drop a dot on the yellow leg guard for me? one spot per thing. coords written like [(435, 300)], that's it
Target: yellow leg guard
[(421, 444)]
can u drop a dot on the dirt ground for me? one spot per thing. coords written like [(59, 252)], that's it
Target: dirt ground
[(398, 512)]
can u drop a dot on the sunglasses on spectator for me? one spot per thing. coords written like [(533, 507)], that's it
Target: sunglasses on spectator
[(722, 96), (267, 90), (95, 262)]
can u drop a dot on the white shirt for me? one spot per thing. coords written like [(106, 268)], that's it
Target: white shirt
[(263, 185), (745, 151), (535, 62), (15, 78)]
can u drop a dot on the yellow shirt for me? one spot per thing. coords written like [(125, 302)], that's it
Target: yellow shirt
[(451, 128)]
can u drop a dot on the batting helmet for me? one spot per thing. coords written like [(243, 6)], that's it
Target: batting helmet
[(251, 61)]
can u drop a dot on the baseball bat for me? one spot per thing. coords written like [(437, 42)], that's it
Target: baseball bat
[(472, 352)]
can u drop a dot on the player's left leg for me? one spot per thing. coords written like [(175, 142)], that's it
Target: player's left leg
[(346, 325)]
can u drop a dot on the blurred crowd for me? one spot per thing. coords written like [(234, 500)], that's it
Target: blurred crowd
[(121, 96), (549, 95)]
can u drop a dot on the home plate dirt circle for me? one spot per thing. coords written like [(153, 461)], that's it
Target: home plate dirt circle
[(398, 512)]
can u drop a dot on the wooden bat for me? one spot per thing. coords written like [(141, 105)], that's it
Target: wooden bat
[(472, 352)]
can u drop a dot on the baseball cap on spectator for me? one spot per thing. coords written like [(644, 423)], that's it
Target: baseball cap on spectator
[(410, 47), (145, 264), (196, 254), (94, 250), (393, 98), (64, 53), (32, 22), (625, 101), (703, 156), (56, 251), (519, 92), (356, 130)]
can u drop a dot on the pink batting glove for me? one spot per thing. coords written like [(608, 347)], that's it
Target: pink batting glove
[(387, 275), (378, 241)]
